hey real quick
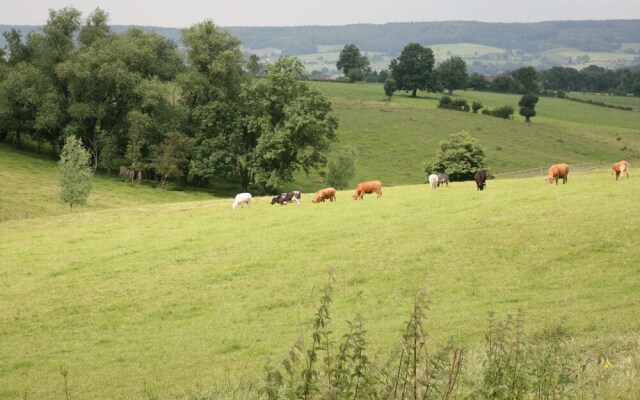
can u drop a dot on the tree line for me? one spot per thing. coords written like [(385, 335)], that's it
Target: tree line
[(194, 115), (415, 70)]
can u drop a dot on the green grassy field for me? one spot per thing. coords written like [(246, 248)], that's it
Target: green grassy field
[(170, 299)]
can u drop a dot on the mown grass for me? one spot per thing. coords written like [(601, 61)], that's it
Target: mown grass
[(162, 301)]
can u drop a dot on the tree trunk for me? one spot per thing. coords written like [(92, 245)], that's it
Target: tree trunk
[(450, 92), (415, 91)]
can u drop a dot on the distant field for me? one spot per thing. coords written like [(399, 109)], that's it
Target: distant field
[(622, 101), (444, 51)]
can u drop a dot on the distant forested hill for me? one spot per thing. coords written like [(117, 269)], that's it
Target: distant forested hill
[(609, 43), (390, 38)]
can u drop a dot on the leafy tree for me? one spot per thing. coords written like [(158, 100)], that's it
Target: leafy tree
[(477, 81), (453, 74), (412, 70), (353, 64), (504, 84), (96, 28), (254, 66), (172, 156), (291, 123), (528, 106), (74, 173), (390, 87), (29, 104), (525, 80), (342, 169), (460, 156)]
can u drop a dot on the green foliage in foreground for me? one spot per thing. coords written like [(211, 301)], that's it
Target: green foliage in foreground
[(186, 300)]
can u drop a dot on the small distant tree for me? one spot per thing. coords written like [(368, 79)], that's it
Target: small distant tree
[(390, 87), (354, 65), (528, 106), (526, 79), (453, 74), (460, 156), (342, 169), (254, 66), (75, 175), (476, 106)]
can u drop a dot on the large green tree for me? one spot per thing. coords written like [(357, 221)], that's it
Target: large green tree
[(74, 173), (526, 80), (280, 125), (342, 168), (453, 74), (352, 63), (413, 68), (460, 156)]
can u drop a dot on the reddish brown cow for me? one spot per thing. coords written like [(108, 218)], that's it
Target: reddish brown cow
[(620, 168), (323, 194), (558, 171), (366, 188)]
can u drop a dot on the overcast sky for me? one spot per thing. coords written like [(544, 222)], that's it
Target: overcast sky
[(184, 13)]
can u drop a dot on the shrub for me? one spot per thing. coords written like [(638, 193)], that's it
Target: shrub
[(460, 156), (458, 104), (503, 112), (476, 106)]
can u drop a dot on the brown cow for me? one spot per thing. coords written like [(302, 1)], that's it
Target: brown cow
[(558, 171), (620, 169), (367, 187), (323, 194)]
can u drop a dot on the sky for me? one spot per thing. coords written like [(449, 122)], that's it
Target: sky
[(227, 13)]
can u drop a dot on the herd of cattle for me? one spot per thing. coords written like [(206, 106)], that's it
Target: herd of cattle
[(556, 172)]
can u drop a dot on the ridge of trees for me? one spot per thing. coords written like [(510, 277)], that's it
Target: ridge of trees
[(390, 38)]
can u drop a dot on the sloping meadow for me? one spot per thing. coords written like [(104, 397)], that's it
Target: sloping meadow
[(159, 301)]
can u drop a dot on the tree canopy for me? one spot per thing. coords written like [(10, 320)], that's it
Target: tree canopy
[(353, 64), (452, 74), (412, 70), (460, 156)]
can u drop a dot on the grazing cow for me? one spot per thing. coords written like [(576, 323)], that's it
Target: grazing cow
[(285, 198), (443, 179), (558, 171), (367, 187), (322, 195), (481, 179), (241, 200), (433, 181), (620, 169)]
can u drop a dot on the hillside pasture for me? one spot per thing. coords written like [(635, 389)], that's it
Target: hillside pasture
[(29, 188), (167, 300), (394, 139)]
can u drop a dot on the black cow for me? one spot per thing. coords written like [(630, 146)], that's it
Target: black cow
[(481, 179), (285, 198), (443, 179)]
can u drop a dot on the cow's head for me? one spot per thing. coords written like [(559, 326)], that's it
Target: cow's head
[(550, 179), (275, 200)]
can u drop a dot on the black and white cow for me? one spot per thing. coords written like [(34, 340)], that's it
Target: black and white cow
[(285, 198)]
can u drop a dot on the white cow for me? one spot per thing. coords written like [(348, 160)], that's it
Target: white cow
[(241, 199), (433, 181)]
